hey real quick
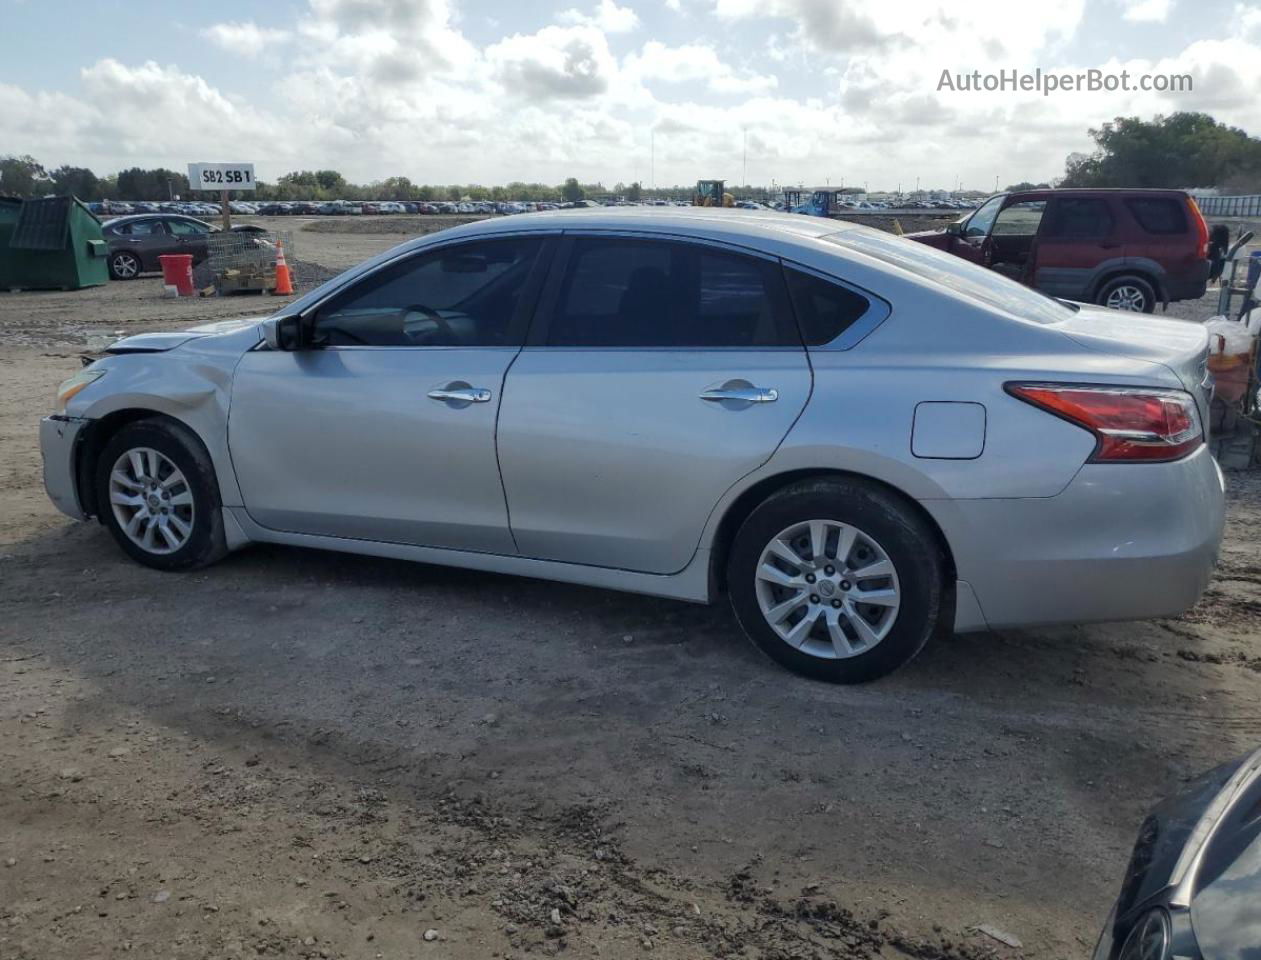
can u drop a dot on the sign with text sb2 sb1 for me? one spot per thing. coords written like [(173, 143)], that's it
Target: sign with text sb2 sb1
[(221, 176)]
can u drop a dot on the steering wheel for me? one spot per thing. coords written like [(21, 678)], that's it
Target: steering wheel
[(443, 327)]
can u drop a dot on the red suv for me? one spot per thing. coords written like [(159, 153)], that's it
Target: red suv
[(1127, 249)]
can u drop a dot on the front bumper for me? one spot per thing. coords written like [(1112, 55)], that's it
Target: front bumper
[(1121, 542), (58, 437)]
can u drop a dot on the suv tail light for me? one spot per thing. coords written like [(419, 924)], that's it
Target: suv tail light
[(1129, 423), (1201, 228)]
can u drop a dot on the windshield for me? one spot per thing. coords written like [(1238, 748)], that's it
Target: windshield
[(955, 274)]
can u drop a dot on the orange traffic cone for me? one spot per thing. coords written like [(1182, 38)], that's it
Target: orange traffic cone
[(284, 283)]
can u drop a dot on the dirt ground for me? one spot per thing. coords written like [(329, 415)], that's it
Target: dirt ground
[(303, 754)]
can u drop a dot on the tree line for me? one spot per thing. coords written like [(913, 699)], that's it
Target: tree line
[(24, 176)]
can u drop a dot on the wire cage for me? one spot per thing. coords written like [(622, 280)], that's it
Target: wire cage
[(242, 260)]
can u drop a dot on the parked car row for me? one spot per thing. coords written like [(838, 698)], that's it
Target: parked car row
[(118, 208)]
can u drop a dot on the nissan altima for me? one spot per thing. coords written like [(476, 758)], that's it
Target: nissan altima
[(860, 440)]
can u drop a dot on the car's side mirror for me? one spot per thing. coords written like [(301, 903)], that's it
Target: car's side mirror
[(955, 228), (283, 333)]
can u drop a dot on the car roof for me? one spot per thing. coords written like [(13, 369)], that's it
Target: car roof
[(764, 224), (1061, 191)]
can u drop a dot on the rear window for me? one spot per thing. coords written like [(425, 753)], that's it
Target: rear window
[(1158, 214), (955, 274)]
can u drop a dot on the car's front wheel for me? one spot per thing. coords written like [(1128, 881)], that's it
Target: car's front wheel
[(1128, 293), (124, 265), (157, 493), (836, 579)]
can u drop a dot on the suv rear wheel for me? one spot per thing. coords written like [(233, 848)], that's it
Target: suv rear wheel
[(1129, 292), (836, 579)]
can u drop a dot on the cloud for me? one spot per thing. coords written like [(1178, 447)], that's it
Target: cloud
[(608, 16), (384, 87), (1146, 11), (822, 24), (657, 63), (557, 63), (1249, 19), (246, 39)]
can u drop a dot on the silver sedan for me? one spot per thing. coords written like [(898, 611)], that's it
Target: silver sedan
[(860, 440)]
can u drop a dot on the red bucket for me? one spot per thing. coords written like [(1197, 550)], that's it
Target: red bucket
[(177, 272)]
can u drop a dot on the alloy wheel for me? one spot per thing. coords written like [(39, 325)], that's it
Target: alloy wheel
[(126, 266), (151, 500), (1126, 297), (827, 589)]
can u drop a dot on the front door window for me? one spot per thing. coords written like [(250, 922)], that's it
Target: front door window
[(978, 225)]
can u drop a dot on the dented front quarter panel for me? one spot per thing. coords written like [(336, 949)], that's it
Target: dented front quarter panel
[(191, 383)]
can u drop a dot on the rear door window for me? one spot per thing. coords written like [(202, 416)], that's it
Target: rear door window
[(652, 293), (1162, 215), (1084, 217)]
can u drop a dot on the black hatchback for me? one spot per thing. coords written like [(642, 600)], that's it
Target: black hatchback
[(136, 242)]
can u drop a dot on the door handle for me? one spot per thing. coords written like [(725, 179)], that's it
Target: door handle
[(460, 395), (745, 394)]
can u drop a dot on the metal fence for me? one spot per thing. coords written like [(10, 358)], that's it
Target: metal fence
[(242, 260), (1249, 206)]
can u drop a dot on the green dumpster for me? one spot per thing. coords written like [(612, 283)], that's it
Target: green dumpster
[(50, 244)]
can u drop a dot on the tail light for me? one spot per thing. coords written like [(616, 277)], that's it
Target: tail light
[(1130, 424), (1201, 228)]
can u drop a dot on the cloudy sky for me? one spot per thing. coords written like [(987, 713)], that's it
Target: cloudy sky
[(837, 91)]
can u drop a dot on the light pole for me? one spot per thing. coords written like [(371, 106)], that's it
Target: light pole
[(652, 172)]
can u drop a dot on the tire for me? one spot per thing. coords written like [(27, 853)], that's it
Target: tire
[(191, 512), (1129, 289), (124, 265), (884, 533)]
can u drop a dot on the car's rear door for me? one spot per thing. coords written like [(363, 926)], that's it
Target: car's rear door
[(1078, 239), (387, 430), (658, 372)]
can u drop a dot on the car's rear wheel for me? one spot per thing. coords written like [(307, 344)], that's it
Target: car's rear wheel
[(157, 493), (124, 265), (836, 579), (1128, 293)]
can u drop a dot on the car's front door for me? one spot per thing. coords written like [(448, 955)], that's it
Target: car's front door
[(657, 374), (1012, 237), (385, 430), (190, 237), (973, 241)]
